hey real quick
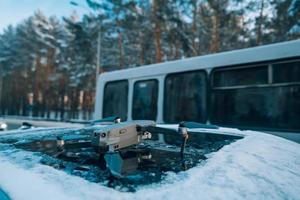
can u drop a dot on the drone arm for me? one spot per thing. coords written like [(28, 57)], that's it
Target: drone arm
[(182, 130)]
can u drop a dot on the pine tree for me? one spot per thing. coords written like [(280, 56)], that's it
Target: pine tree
[(286, 21)]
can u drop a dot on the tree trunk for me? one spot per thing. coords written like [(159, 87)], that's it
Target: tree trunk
[(121, 56), (157, 33), (177, 49), (62, 97), (215, 40), (194, 27), (142, 58), (48, 93), (36, 84), (260, 21)]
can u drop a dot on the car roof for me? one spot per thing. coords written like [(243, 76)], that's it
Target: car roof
[(259, 166)]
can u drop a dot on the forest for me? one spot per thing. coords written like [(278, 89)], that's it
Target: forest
[(48, 64)]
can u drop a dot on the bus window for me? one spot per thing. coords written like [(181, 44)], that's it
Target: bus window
[(286, 72), (265, 107), (115, 99), (145, 96), (185, 97), (240, 76)]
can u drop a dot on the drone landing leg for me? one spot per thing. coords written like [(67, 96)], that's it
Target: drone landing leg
[(183, 144), (182, 130)]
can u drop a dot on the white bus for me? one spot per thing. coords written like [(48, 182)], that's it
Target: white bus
[(255, 88)]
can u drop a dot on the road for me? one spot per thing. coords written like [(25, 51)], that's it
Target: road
[(16, 123)]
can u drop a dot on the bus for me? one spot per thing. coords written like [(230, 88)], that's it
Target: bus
[(254, 88)]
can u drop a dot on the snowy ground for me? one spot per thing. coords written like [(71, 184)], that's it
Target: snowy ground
[(260, 166)]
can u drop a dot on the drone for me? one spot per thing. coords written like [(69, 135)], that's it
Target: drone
[(119, 135)]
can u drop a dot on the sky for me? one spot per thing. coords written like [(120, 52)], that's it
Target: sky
[(15, 11)]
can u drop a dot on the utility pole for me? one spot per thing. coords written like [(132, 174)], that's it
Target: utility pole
[(98, 54)]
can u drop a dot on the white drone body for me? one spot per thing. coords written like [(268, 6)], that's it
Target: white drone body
[(121, 135)]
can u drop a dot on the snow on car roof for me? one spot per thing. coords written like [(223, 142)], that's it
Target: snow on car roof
[(259, 166)]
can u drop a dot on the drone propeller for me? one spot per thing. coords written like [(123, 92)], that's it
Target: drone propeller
[(197, 125), (107, 120), (192, 128)]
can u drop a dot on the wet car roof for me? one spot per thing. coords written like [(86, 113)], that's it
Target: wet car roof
[(219, 163)]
